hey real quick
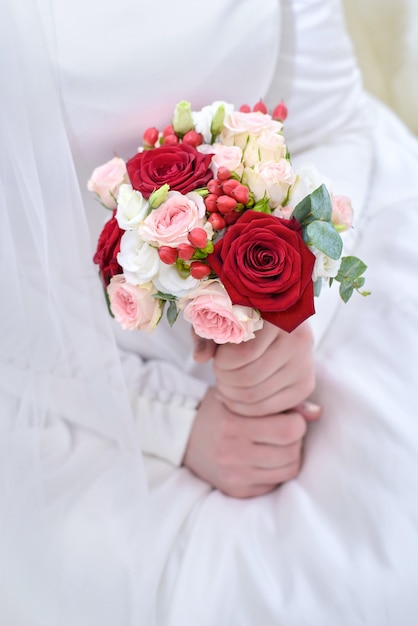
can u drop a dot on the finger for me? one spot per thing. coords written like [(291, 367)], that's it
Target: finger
[(280, 430), (279, 392), (234, 356), (267, 456)]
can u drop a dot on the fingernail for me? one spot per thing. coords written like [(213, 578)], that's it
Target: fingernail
[(311, 407)]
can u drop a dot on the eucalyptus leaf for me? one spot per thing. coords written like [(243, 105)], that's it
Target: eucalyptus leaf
[(321, 207), (302, 210), (323, 236), (317, 286), (351, 267), (346, 291), (172, 312), (359, 282)]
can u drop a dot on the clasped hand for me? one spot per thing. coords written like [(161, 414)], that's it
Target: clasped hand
[(249, 429)]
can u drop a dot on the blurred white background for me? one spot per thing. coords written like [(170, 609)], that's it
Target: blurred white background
[(385, 36)]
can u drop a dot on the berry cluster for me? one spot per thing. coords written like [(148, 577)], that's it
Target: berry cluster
[(226, 199), (198, 248), (279, 112), (169, 137)]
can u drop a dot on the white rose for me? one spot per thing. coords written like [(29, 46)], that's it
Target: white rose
[(203, 119), (132, 207), (308, 178), (168, 280), (324, 267), (140, 261), (272, 179)]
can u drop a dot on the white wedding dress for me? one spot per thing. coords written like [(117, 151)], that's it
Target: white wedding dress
[(338, 545)]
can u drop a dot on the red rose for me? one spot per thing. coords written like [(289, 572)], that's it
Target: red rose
[(108, 247), (181, 166), (264, 263)]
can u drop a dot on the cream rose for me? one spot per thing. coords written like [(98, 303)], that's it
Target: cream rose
[(224, 156), (267, 146), (239, 126), (133, 305), (106, 180), (132, 207), (272, 178), (175, 217), (213, 316)]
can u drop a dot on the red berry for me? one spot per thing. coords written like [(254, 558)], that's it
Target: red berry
[(280, 112), (224, 173), (217, 221), (199, 270), (244, 108), (229, 185), (168, 130), (198, 237), (186, 251), (150, 136), (167, 254), (260, 106), (226, 204), (210, 203), (214, 186), (171, 140), (192, 138), (241, 194)]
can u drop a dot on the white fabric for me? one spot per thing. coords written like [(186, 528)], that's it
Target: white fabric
[(335, 546)]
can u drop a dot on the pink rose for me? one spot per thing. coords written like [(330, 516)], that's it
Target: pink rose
[(213, 316), (106, 180), (133, 305), (342, 212), (170, 224), (224, 156)]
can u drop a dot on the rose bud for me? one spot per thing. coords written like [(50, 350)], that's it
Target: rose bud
[(217, 221), (170, 140), (150, 136), (193, 138), (167, 254), (168, 130), (214, 187), (280, 112), (244, 108), (198, 237), (218, 120), (241, 193), (185, 251), (229, 185), (182, 118), (199, 270), (260, 106), (210, 203), (224, 173), (226, 204)]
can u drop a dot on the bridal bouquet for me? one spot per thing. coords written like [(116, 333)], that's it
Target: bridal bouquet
[(209, 218)]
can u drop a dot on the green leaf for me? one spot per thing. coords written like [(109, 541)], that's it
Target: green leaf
[(346, 291), (359, 282), (172, 312), (351, 267), (321, 207), (315, 206), (317, 286), (323, 236), (164, 296), (302, 210)]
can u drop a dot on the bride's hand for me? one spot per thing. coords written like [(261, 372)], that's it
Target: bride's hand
[(246, 456), (272, 373)]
